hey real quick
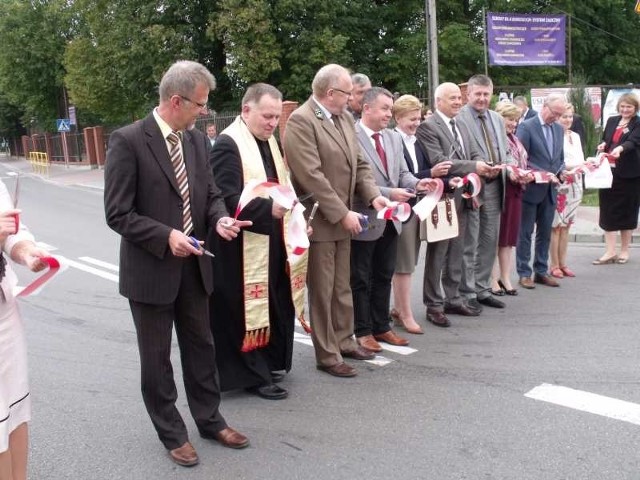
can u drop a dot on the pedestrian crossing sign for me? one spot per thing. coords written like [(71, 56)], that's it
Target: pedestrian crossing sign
[(64, 125)]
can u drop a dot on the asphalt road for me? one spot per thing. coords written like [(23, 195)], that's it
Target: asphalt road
[(453, 409)]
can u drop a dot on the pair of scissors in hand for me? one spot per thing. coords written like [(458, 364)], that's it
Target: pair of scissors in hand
[(196, 244)]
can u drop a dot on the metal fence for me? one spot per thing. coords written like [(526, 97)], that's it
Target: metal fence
[(76, 143)]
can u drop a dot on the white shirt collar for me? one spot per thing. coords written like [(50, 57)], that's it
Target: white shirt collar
[(164, 126)]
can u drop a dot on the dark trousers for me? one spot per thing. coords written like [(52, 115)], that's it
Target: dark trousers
[(539, 215), (372, 267), (190, 314)]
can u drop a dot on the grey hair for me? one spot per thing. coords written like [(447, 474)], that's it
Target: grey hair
[(373, 93), (480, 80), (258, 90), (325, 77), (360, 79), (440, 89), (555, 98), (521, 99), (183, 77)]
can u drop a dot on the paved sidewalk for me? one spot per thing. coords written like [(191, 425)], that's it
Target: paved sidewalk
[(585, 229)]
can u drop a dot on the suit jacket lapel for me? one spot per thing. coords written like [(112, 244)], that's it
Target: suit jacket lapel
[(365, 142), (407, 157), (453, 148), (158, 146), (189, 155), (331, 127)]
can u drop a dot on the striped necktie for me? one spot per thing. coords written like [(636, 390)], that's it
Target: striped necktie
[(175, 138)]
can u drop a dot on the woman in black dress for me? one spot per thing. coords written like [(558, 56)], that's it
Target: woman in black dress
[(619, 205)]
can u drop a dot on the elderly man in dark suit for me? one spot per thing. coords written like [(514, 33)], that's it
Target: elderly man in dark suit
[(481, 241), (446, 138), (542, 137), (373, 252), (160, 195), (523, 105), (324, 158)]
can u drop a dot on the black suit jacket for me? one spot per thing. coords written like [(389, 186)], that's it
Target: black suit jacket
[(143, 204), (628, 165)]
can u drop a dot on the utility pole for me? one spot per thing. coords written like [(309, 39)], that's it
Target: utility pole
[(432, 49)]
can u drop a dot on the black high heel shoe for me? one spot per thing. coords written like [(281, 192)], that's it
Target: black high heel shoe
[(513, 292), (498, 293)]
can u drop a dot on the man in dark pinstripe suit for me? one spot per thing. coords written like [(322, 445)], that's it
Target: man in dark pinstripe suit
[(162, 273)]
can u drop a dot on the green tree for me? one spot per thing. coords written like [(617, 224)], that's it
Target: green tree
[(123, 46), (34, 34)]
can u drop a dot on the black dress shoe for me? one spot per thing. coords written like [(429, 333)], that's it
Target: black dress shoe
[(269, 392), (461, 310), (474, 305), (439, 319), (491, 302)]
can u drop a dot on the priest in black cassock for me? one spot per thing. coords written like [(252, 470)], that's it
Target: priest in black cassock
[(252, 307)]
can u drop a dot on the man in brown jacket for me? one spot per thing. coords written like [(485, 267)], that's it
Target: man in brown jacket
[(324, 157)]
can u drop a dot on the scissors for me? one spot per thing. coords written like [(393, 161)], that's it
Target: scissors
[(314, 209), (196, 244)]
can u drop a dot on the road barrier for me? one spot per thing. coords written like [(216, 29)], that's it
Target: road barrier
[(39, 162)]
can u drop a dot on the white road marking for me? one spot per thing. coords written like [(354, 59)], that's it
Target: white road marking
[(378, 360), (100, 263), (85, 268), (46, 246), (397, 349), (300, 338), (587, 402)]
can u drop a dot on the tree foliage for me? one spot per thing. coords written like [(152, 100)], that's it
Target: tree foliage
[(110, 54)]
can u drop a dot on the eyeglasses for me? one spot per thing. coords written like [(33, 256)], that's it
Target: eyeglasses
[(348, 94), (202, 106), (556, 113)]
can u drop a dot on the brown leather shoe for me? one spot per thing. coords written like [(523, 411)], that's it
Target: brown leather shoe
[(339, 370), (369, 343), (526, 282), (185, 456), (392, 338), (231, 438), (359, 353), (439, 319), (546, 279)]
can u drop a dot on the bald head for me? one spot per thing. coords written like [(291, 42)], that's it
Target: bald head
[(332, 87), (448, 99)]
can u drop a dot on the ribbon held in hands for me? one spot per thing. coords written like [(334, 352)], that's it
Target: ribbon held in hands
[(425, 206), (37, 285), (283, 195), (472, 180), (396, 211)]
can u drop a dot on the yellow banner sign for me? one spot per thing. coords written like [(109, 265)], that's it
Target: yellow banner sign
[(638, 6)]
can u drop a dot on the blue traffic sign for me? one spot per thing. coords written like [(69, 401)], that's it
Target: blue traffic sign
[(64, 124)]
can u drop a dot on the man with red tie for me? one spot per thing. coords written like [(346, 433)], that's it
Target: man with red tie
[(373, 251)]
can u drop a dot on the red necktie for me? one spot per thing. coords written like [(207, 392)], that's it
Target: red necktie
[(380, 150)]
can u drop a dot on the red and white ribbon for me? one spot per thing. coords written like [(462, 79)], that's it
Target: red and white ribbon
[(474, 180), (425, 206), (297, 226), (396, 211), (34, 287), (253, 189)]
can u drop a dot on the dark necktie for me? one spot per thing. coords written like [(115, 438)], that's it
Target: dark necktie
[(487, 139), (548, 136), (452, 122), (380, 150), (174, 138)]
